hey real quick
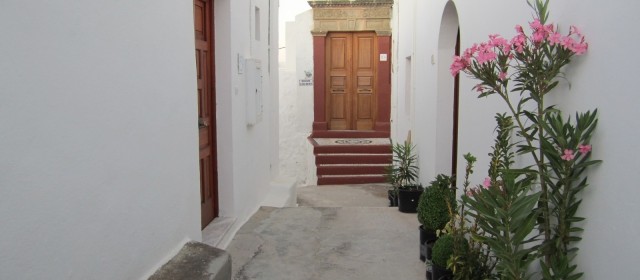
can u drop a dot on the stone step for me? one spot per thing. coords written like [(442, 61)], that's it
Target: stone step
[(350, 134), (353, 158), (350, 179), (351, 169), (336, 149)]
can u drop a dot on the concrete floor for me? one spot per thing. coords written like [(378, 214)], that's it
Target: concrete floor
[(338, 232), (366, 195)]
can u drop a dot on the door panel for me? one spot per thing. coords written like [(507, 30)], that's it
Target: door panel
[(339, 56), (351, 68), (364, 71), (203, 27)]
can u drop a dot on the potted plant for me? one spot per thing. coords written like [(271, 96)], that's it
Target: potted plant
[(403, 176), (442, 250), (433, 211), (392, 192)]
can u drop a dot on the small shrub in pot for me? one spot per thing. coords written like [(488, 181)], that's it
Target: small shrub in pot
[(433, 210)]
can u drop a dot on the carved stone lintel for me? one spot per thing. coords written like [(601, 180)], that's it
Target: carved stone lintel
[(318, 33), (352, 18), (336, 3)]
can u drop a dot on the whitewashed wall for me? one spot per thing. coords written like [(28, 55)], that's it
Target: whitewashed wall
[(98, 145), (247, 154), (296, 111), (603, 78), (403, 93)]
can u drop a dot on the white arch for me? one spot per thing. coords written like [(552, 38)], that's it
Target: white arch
[(445, 96)]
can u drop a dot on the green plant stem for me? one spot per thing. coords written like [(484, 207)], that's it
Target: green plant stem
[(539, 159), (562, 219), (544, 196)]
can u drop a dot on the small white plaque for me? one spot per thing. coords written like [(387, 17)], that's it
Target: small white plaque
[(383, 57), (305, 82)]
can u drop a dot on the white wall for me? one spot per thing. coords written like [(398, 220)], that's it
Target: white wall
[(402, 91), (445, 96), (288, 11), (603, 79), (296, 110), (98, 150), (247, 154), (600, 79), (424, 81)]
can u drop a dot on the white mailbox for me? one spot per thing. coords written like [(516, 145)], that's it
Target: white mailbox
[(253, 77)]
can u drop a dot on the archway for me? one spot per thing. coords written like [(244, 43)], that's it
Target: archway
[(447, 97)]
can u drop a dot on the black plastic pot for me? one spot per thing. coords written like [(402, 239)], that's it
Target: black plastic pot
[(440, 273), (427, 236), (429, 249), (393, 198), (408, 200)]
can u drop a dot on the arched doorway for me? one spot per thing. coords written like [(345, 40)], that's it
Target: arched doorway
[(447, 97)]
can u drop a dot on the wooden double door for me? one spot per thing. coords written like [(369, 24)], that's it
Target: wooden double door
[(351, 65), (203, 26)]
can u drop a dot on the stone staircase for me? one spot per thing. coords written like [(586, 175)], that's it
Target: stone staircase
[(342, 161)]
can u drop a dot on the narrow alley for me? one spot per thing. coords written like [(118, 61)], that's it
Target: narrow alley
[(337, 232)]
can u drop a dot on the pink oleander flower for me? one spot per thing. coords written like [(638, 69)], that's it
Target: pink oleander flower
[(583, 149), (470, 193), (535, 25), (568, 155), (458, 65), (470, 52), (519, 29), (538, 36), (485, 54), (487, 183), (567, 42), (579, 48), (479, 88), (518, 42), (502, 76), (574, 30), (497, 41), (555, 38)]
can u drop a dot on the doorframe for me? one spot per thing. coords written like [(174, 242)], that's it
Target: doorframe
[(352, 17), (351, 86), (447, 96), (211, 102)]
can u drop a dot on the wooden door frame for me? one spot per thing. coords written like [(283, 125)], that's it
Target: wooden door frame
[(351, 87), (456, 103), (382, 126), (211, 126), (352, 16)]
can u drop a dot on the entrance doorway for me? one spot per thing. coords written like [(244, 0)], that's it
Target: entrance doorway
[(351, 80), (203, 26)]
